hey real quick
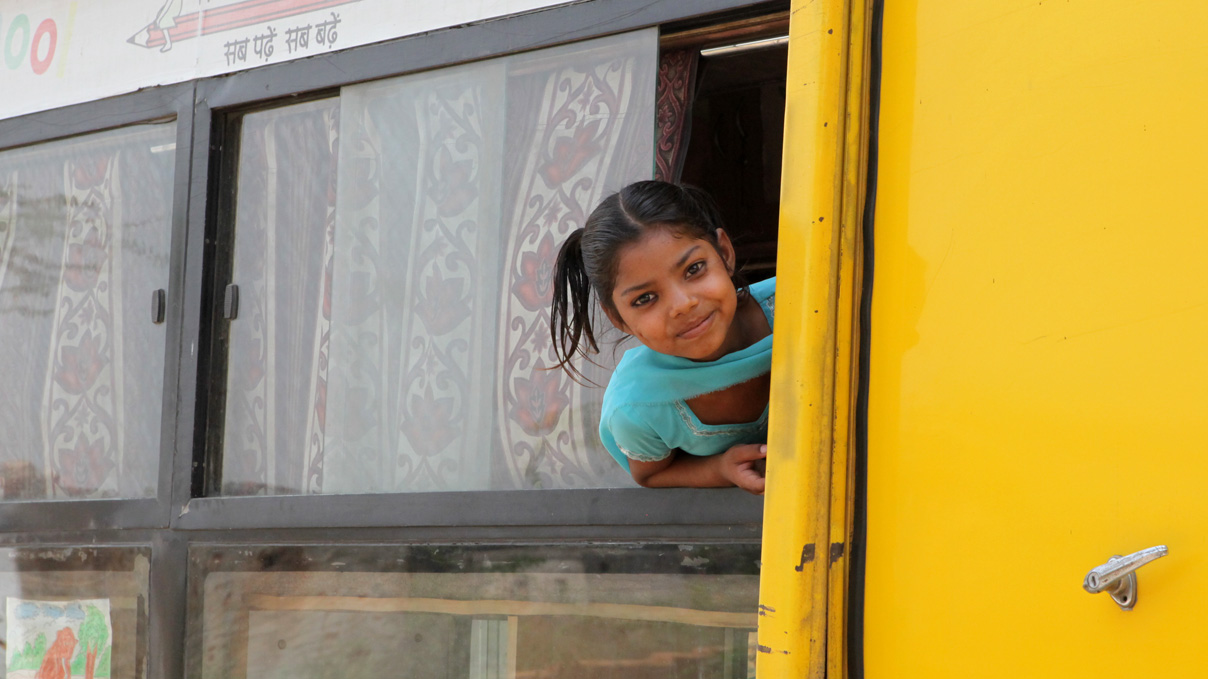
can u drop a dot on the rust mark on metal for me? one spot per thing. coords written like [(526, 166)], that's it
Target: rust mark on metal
[(807, 555), (766, 610), (836, 552), (768, 649)]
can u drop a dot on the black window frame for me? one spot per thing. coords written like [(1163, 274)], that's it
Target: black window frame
[(157, 105), (220, 104)]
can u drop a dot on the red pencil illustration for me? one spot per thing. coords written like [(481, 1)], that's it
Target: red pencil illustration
[(226, 18)]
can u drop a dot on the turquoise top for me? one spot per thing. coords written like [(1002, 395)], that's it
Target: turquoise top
[(645, 416)]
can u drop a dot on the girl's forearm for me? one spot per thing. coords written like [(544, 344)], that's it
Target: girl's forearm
[(738, 466), (681, 470)]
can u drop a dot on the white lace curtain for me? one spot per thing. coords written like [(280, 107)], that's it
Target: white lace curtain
[(84, 231), (440, 352), (395, 278)]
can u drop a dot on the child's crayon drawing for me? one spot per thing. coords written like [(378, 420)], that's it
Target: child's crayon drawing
[(58, 639)]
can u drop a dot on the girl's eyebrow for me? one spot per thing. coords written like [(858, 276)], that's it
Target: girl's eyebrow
[(687, 255), (634, 288), (678, 264)]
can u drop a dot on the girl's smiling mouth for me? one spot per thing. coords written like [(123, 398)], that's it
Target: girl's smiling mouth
[(698, 328)]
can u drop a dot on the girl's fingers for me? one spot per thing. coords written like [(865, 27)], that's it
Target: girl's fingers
[(750, 482), (743, 471)]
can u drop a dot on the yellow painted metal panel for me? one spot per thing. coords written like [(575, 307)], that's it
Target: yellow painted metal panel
[(1040, 308), (807, 523), (847, 333)]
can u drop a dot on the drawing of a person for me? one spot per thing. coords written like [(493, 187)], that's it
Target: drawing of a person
[(165, 20)]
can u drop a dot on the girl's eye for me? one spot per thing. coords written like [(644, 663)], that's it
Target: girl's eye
[(642, 300), (695, 267)]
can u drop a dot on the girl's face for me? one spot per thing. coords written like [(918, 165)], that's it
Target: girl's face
[(674, 294)]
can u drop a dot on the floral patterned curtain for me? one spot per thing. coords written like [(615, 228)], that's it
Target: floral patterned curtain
[(455, 189), (416, 259), (581, 129), (677, 83), (278, 344), (84, 231)]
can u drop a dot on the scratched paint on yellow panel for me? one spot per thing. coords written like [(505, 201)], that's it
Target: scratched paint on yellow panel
[(1039, 378)]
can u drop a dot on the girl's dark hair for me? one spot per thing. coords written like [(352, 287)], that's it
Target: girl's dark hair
[(587, 262)]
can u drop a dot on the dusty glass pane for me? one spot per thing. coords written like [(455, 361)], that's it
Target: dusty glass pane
[(578, 611), (85, 225), (278, 343), (74, 612), (398, 271)]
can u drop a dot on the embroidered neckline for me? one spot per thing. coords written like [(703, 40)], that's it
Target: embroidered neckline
[(696, 425), (769, 303)]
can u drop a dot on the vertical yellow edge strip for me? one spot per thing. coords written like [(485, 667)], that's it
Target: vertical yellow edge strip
[(847, 334), (806, 508)]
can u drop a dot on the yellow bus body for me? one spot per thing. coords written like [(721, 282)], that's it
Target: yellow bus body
[(1037, 383)]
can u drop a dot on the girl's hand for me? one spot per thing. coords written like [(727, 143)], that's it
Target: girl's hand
[(743, 466)]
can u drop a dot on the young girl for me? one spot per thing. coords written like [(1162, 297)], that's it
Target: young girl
[(689, 407)]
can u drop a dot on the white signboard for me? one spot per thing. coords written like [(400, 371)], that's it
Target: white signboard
[(59, 52)]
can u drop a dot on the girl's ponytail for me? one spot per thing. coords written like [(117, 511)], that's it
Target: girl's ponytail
[(570, 313)]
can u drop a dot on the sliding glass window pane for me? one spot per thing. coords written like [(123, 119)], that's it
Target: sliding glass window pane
[(277, 360), (74, 611), (579, 611), (85, 226), (406, 348)]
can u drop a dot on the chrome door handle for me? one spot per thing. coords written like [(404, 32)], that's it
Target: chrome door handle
[(1118, 576)]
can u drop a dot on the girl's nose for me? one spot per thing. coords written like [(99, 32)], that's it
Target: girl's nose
[(683, 301)]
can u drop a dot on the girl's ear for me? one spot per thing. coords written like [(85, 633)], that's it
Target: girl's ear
[(726, 249), (615, 319)]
